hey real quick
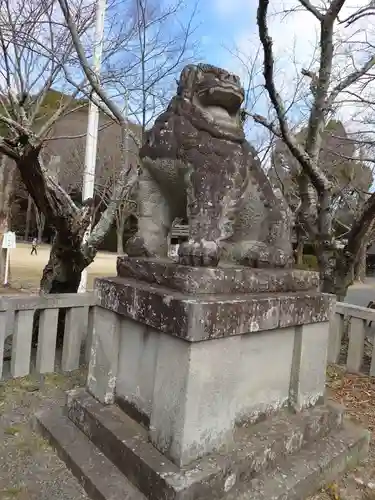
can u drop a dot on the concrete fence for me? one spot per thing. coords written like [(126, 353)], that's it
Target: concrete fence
[(350, 327), (18, 321)]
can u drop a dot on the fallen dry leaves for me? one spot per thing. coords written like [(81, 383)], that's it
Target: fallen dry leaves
[(356, 392)]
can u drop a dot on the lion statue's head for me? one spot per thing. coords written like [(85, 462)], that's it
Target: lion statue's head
[(217, 93)]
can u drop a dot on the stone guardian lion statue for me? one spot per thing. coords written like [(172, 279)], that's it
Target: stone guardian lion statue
[(197, 165)]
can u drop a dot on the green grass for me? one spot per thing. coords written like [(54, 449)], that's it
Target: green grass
[(11, 492), (11, 431)]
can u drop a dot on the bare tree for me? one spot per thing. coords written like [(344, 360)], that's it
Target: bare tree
[(160, 42), (107, 171), (125, 206), (327, 89), (350, 178), (158, 45), (37, 53), (44, 48)]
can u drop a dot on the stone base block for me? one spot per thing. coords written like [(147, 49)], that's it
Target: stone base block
[(196, 318), (286, 457), (225, 279)]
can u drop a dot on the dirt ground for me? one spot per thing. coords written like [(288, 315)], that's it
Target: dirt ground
[(30, 470), (26, 269), (29, 467)]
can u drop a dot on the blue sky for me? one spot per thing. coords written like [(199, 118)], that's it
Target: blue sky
[(222, 23)]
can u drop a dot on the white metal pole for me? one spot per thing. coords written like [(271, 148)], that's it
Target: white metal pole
[(7, 258), (92, 125)]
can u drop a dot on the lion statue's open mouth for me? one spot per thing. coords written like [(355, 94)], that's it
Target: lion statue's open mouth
[(216, 92), (227, 97)]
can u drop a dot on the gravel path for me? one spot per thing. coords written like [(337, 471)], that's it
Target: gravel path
[(29, 468)]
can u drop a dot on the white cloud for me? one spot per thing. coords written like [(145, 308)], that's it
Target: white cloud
[(295, 34)]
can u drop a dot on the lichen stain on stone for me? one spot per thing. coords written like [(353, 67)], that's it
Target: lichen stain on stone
[(230, 482), (90, 378), (93, 349), (310, 400), (167, 299), (294, 442)]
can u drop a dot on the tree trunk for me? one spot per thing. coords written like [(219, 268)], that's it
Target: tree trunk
[(120, 241), (6, 187), (62, 273), (68, 257), (120, 227), (41, 222), (327, 270), (299, 253), (28, 218), (360, 267), (339, 274)]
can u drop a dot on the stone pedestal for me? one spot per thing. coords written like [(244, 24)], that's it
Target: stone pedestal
[(218, 375), (202, 351)]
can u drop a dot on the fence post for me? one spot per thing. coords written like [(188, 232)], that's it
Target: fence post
[(21, 343), (336, 329), (356, 344), (45, 358), (372, 366), (75, 318), (90, 328)]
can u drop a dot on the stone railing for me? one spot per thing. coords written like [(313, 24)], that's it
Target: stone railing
[(17, 323), (350, 326)]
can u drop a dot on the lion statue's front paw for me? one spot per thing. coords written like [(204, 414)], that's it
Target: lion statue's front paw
[(199, 254), (258, 254)]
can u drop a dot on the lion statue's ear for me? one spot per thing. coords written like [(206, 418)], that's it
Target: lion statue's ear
[(186, 83)]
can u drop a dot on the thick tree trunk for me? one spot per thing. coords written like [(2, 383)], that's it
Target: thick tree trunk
[(62, 273), (326, 262), (41, 222), (68, 258), (28, 217), (338, 275)]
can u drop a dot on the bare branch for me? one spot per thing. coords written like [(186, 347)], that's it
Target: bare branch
[(350, 79), (91, 77), (311, 8), (319, 180)]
